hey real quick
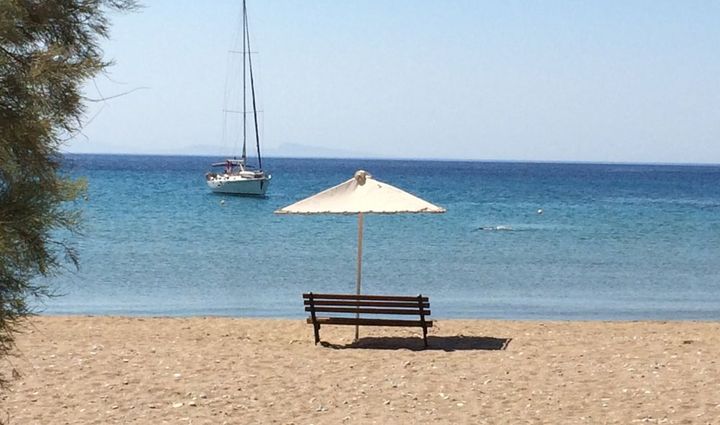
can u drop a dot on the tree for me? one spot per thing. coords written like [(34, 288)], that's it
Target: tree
[(48, 49)]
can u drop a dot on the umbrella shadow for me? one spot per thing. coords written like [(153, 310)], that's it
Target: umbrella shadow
[(440, 343)]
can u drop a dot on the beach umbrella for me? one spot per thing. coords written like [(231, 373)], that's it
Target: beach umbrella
[(361, 195)]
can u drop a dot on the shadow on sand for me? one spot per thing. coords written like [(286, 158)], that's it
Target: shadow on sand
[(443, 343)]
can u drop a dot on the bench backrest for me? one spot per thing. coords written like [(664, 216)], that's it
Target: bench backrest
[(366, 304)]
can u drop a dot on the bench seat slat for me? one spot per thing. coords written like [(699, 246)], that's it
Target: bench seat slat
[(390, 304), (370, 322), (352, 310), (362, 297)]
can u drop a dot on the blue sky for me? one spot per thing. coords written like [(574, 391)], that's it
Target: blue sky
[(606, 81)]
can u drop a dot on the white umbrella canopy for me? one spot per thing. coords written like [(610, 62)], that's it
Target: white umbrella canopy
[(361, 195)]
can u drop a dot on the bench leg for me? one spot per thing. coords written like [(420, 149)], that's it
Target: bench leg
[(425, 336), (317, 333)]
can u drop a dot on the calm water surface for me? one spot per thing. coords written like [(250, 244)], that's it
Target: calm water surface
[(613, 242)]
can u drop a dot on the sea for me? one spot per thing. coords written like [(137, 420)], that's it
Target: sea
[(519, 240)]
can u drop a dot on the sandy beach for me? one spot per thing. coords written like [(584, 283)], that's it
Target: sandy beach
[(117, 370)]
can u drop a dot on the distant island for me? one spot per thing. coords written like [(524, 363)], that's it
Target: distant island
[(289, 150)]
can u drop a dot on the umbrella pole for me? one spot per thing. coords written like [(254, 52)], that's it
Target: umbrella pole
[(359, 268)]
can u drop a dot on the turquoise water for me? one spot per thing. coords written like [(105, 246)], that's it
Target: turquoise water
[(613, 242)]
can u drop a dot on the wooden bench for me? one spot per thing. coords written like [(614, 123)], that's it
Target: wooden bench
[(346, 309)]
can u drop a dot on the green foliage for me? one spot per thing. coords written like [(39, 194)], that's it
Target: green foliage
[(48, 49)]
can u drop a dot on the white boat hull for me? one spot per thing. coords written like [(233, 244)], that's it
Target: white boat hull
[(239, 185)]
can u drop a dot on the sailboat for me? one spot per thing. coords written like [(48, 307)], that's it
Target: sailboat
[(238, 177)]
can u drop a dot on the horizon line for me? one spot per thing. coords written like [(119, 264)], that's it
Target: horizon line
[(381, 158)]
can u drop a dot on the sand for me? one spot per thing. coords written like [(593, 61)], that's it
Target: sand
[(115, 370)]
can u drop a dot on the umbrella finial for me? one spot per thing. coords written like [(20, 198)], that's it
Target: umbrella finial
[(360, 176)]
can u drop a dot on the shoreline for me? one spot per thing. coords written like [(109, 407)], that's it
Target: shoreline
[(303, 317), (545, 319), (148, 370)]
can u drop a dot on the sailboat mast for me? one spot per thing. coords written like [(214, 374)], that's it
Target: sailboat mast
[(244, 78), (252, 89)]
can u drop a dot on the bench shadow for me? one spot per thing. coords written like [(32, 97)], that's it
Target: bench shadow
[(440, 343)]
